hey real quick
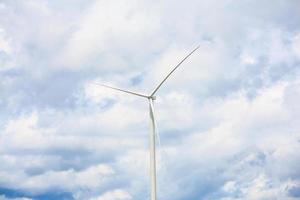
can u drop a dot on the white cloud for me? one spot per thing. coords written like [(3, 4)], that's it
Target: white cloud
[(296, 45), (71, 180), (105, 28), (4, 43), (114, 195), (2, 197), (248, 60)]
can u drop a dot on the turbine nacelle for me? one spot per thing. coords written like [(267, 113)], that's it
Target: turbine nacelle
[(152, 97)]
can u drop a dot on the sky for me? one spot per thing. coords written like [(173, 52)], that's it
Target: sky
[(228, 119)]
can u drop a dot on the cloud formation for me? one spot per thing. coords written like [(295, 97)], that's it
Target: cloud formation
[(228, 119)]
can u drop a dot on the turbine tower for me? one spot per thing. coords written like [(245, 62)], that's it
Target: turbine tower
[(151, 99)]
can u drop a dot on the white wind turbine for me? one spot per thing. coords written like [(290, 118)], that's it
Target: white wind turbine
[(151, 98)]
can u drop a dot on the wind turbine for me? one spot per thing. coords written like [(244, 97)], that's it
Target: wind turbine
[(151, 99)]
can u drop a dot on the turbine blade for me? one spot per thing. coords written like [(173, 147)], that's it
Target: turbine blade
[(160, 84), (126, 91)]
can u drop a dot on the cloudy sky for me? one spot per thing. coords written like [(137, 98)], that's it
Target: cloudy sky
[(228, 119)]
